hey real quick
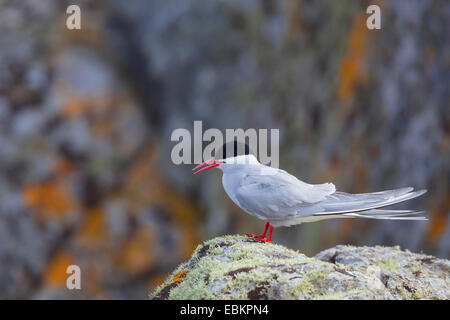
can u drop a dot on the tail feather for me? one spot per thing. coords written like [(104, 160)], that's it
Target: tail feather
[(344, 203), (362, 205), (387, 214)]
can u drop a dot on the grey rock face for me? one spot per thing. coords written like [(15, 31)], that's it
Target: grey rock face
[(236, 267)]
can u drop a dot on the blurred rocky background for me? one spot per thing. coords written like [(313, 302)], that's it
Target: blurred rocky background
[(86, 118)]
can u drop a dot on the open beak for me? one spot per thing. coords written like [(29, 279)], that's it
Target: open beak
[(212, 163)]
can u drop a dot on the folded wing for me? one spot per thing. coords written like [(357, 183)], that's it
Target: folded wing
[(282, 196)]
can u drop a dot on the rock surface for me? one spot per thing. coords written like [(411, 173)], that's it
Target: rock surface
[(236, 267)]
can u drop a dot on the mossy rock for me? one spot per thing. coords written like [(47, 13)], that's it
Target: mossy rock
[(237, 267)]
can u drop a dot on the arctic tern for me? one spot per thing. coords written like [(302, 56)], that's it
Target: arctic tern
[(280, 199)]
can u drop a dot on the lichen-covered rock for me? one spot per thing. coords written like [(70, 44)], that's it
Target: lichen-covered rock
[(236, 267)]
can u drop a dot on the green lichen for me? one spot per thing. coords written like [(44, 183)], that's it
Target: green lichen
[(397, 248), (220, 258), (417, 269), (308, 286), (426, 292), (388, 265), (408, 290), (404, 293)]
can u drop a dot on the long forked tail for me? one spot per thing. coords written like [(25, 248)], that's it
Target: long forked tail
[(387, 214), (367, 205)]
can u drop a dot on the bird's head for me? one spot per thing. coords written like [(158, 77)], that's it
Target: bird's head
[(236, 158)]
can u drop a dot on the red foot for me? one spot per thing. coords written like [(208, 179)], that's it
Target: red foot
[(251, 235), (262, 236)]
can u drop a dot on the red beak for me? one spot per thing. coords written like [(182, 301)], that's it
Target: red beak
[(212, 164)]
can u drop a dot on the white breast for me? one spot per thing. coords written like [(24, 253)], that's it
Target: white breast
[(230, 182)]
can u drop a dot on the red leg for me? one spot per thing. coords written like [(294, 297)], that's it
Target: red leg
[(269, 238), (263, 235)]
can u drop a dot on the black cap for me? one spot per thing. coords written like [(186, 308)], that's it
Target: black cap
[(232, 149)]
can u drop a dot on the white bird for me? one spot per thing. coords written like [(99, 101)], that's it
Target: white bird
[(280, 199)]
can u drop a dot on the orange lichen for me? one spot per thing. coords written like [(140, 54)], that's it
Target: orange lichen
[(438, 217), (49, 199), (93, 230), (352, 65), (179, 275), (437, 227), (55, 273), (136, 255)]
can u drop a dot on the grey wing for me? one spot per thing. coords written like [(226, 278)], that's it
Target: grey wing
[(279, 195), (282, 197)]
